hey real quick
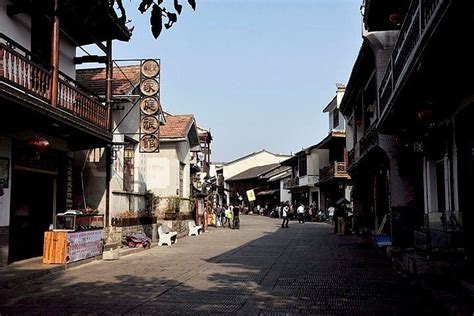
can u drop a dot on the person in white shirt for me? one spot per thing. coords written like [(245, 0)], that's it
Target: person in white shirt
[(285, 213), (300, 211)]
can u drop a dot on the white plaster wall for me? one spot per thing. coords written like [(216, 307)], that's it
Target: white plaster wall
[(162, 171), (339, 96), (342, 123), (67, 52), (16, 27), (318, 158), (5, 152), (184, 156), (285, 195), (312, 164), (349, 138), (260, 159), (340, 126)]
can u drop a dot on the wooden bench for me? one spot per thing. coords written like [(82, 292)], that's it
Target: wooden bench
[(165, 235), (194, 230)]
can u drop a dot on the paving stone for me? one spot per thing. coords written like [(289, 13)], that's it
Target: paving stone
[(260, 269)]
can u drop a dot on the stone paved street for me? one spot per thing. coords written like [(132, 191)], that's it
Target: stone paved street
[(259, 269)]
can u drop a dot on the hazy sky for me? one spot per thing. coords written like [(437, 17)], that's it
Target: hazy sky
[(256, 72)]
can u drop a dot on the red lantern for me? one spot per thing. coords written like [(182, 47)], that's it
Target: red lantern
[(39, 144), (424, 115), (396, 18)]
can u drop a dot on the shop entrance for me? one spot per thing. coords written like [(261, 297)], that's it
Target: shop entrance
[(31, 213)]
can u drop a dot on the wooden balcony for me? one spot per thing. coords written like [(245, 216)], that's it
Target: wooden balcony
[(369, 140), (335, 170), (415, 31), (18, 70)]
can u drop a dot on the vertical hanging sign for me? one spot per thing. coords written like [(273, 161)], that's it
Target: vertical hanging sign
[(150, 107)]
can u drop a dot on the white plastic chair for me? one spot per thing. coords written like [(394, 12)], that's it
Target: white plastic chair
[(165, 236), (194, 229)]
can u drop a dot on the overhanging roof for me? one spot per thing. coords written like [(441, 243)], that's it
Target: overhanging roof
[(253, 173), (331, 136)]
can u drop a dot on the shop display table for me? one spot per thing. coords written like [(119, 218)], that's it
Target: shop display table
[(75, 237), (66, 247)]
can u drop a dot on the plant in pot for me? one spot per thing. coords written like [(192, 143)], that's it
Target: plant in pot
[(174, 204)]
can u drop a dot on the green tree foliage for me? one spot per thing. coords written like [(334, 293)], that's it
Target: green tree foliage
[(158, 12)]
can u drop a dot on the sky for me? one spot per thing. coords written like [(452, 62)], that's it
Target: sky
[(257, 73)]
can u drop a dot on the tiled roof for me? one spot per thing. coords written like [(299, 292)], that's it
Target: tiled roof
[(124, 79), (254, 172), (256, 153), (277, 171), (177, 126)]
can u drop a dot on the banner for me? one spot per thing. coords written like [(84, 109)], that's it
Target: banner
[(83, 245)]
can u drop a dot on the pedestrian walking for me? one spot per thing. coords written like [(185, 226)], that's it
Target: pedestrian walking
[(219, 216), (236, 215), (285, 214), (300, 211), (229, 216)]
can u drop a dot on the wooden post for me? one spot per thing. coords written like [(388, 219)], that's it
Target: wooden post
[(108, 100), (109, 78), (55, 57)]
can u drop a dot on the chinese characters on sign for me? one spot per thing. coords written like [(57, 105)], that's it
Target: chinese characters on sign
[(150, 68), (149, 87), (149, 143), (150, 105), (150, 108), (69, 181)]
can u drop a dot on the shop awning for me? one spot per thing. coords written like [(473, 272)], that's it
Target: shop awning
[(268, 192)]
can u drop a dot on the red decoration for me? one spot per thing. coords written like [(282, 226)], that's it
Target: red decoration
[(424, 115), (39, 144), (397, 18)]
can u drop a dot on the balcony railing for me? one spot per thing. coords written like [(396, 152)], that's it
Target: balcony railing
[(17, 69), (335, 170), (419, 17), (370, 139)]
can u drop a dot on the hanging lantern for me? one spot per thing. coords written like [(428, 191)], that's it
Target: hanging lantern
[(38, 144), (424, 115), (396, 17)]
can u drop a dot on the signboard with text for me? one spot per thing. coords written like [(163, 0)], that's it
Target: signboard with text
[(251, 195), (83, 245), (150, 107)]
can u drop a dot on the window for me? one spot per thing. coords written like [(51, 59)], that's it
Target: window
[(302, 166), (335, 118), (95, 154), (128, 167)]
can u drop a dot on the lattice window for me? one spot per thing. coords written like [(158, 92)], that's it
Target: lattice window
[(128, 167)]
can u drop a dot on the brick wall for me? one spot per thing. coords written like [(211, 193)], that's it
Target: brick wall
[(4, 232)]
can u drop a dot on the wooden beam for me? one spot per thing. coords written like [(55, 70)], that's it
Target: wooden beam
[(55, 57), (103, 47), (90, 59)]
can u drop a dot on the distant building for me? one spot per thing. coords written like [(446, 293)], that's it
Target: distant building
[(256, 159), (305, 171), (334, 180)]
